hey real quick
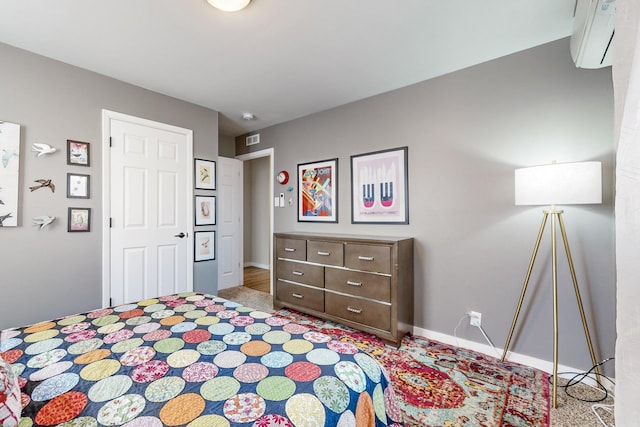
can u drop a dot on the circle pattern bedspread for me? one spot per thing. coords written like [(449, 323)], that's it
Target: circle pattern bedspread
[(194, 360)]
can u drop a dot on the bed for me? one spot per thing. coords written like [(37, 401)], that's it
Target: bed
[(188, 359)]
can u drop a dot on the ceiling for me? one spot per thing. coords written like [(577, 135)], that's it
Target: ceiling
[(279, 59)]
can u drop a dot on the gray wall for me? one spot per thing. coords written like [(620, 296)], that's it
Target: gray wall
[(466, 133), (256, 209), (50, 273), (226, 146)]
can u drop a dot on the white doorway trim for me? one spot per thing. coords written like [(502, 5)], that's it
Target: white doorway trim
[(107, 117), (268, 152)]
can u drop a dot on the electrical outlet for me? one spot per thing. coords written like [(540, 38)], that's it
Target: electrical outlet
[(475, 318)]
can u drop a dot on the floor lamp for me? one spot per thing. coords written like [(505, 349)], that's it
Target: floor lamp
[(557, 184)]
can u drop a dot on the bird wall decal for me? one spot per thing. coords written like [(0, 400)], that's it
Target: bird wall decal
[(43, 183), (43, 221), (42, 149)]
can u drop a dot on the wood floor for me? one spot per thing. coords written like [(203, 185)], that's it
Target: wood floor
[(257, 278)]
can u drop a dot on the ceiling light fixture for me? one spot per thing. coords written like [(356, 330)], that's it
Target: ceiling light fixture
[(248, 116), (229, 5)]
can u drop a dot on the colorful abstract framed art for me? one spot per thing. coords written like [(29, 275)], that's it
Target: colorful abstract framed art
[(317, 191)]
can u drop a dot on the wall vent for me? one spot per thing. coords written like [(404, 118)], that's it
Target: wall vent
[(253, 139)]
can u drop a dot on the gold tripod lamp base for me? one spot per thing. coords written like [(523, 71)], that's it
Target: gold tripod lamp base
[(556, 215)]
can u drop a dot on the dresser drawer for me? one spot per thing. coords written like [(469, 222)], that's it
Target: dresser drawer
[(328, 253), (368, 257), (292, 249), (366, 312), (365, 285), (312, 299), (300, 272)]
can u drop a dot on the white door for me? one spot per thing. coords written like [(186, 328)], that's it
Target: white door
[(230, 272), (150, 204)]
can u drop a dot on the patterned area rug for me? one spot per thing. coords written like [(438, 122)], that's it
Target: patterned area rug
[(441, 385)]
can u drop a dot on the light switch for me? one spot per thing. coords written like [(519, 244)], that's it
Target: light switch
[(276, 202)]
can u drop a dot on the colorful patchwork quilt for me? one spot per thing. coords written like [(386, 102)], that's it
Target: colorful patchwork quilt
[(192, 360)]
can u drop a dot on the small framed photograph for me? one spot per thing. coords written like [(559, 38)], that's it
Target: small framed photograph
[(78, 153), (78, 186), (317, 191), (205, 245), (205, 210), (379, 187), (205, 171), (79, 220)]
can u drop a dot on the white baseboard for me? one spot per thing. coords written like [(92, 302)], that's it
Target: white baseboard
[(534, 362), (257, 265)]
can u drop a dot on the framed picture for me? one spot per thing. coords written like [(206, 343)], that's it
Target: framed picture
[(205, 210), (78, 153), (205, 171), (79, 220), (205, 245), (379, 187), (318, 191), (9, 173), (78, 186)]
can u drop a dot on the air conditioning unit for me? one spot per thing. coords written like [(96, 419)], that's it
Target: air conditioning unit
[(593, 30)]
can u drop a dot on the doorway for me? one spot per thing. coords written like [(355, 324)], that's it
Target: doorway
[(258, 219), (147, 204)]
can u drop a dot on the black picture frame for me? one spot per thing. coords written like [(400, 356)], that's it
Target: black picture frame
[(204, 246), (78, 186), (79, 220), (205, 210), (204, 174), (380, 187), (78, 153)]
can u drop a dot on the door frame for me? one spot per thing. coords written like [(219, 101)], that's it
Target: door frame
[(107, 117), (267, 152)]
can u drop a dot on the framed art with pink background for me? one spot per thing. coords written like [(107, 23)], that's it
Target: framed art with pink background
[(379, 187)]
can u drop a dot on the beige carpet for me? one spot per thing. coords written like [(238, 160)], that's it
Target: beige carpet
[(248, 297), (570, 412)]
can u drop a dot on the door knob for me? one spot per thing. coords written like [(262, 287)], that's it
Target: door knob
[(181, 235)]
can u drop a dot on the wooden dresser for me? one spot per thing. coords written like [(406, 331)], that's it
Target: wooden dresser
[(362, 282)]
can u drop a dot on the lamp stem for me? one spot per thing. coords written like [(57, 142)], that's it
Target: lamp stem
[(524, 286), (585, 326), (554, 270)]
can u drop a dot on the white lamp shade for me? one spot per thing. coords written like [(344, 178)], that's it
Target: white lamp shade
[(229, 5), (559, 184)]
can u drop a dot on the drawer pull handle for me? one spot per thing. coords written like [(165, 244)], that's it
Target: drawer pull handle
[(365, 258), (352, 283), (297, 296), (324, 253), (297, 273), (354, 310), (289, 249)]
